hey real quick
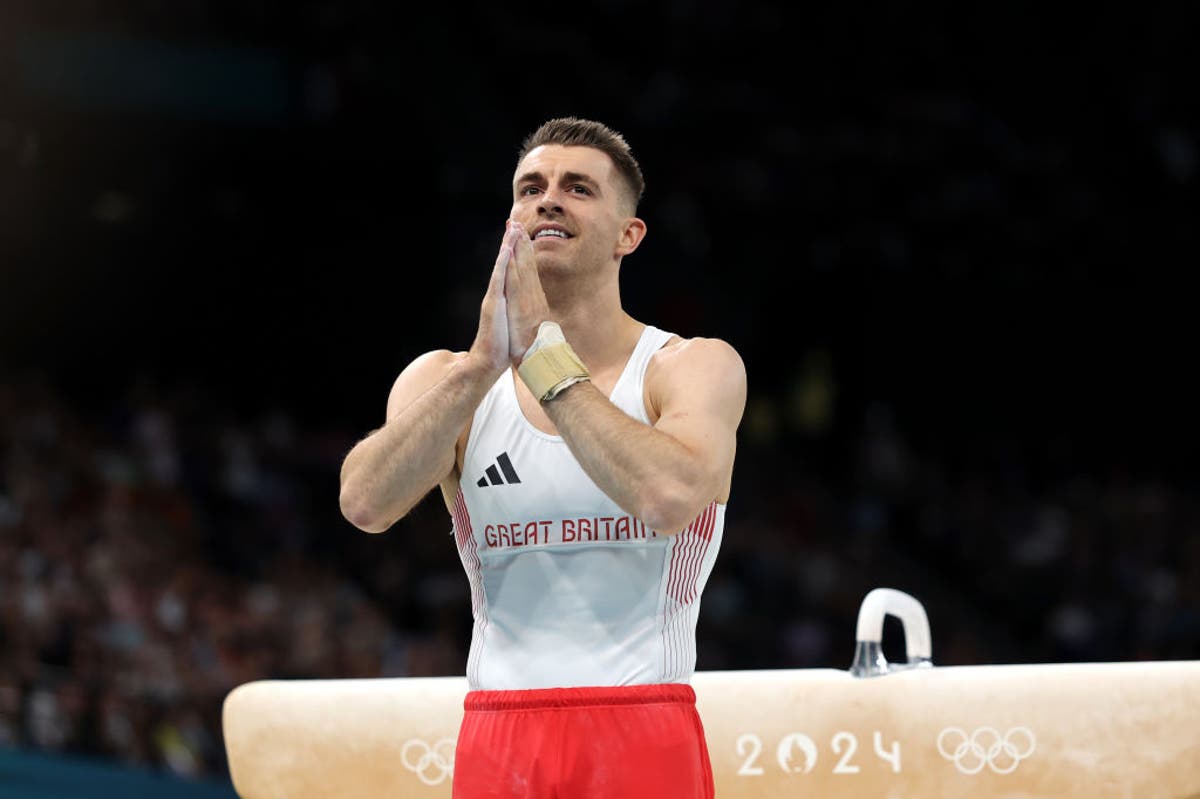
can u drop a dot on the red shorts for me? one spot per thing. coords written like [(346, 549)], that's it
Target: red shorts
[(576, 743)]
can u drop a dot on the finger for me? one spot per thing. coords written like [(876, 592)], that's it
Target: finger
[(523, 271), (500, 269), (503, 258), (523, 250), (512, 279)]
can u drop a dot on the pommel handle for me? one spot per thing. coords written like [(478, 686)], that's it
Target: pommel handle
[(868, 652)]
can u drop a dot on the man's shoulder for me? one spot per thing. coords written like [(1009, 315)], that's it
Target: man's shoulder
[(697, 357), (697, 371), (437, 359), (682, 351), (419, 375), (427, 368)]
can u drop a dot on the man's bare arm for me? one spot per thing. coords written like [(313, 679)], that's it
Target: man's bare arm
[(429, 407), (394, 467), (666, 474)]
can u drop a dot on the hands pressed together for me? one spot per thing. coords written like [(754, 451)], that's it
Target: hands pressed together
[(514, 305)]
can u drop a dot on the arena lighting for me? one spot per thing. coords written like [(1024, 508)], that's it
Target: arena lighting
[(912, 729)]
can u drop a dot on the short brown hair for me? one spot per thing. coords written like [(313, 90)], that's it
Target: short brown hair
[(573, 132)]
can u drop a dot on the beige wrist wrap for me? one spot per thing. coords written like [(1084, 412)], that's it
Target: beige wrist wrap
[(550, 365)]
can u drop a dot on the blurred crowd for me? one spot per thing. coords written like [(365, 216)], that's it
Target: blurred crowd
[(161, 550), (152, 560)]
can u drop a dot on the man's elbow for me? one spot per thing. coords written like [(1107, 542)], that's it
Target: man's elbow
[(362, 514), (669, 510)]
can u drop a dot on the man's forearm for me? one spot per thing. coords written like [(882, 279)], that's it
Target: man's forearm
[(393, 468), (645, 471)]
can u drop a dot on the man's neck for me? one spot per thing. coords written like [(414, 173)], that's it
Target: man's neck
[(595, 324)]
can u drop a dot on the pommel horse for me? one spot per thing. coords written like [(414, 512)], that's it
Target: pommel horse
[(878, 729)]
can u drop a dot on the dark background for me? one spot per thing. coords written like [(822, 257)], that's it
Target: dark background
[(954, 249)]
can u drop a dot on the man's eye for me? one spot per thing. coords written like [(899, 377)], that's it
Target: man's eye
[(529, 190), (581, 189)]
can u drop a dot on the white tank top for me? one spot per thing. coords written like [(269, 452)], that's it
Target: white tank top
[(567, 589)]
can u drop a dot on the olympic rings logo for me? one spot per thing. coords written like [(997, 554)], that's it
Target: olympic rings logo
[(432, 765), (986, 747)]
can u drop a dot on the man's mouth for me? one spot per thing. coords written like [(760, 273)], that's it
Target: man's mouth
[(550, 233)]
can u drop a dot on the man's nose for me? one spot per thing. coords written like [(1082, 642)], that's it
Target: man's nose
[(550, 202)]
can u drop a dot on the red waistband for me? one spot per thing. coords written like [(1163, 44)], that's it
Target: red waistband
[(579, 697)]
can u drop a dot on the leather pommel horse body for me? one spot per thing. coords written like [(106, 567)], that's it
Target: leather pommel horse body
[(1091, 730)]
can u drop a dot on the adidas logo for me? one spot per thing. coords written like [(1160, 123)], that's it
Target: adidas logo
[(491, 476)]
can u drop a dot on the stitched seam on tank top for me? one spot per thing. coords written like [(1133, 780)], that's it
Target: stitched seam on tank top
[(512, 388), (643, 414), (526, 425), (600, 705), (473, 436), (645, 336)]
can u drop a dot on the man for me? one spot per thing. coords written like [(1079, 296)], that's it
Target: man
[(586, 460)]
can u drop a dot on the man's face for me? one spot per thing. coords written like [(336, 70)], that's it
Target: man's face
[(570, 200)]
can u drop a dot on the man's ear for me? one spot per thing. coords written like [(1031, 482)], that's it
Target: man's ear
[(631, 236)]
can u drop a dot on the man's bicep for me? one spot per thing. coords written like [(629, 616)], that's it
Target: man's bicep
[(702, 395), (421, 375), (425, 372)]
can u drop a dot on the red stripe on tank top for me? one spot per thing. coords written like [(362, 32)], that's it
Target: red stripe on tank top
[(687, 563), (468, 550), (705, 532), (687, 557), (680, 549)]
